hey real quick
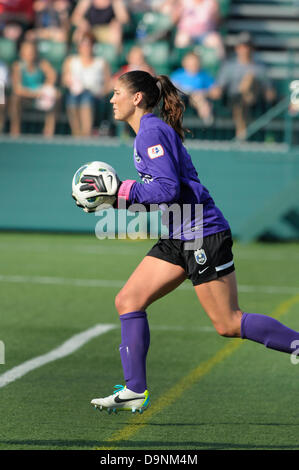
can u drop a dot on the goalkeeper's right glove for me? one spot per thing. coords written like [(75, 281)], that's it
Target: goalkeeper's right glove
[(77, 202)]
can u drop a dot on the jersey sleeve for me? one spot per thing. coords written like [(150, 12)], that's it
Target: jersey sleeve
[(161, 182)]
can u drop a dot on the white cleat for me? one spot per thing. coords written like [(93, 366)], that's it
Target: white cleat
[(122, 399)]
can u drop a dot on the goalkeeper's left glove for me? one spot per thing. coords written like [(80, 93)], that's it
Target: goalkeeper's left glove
[(104, 185)]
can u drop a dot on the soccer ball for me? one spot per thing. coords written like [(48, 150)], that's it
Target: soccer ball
[(108, 180)]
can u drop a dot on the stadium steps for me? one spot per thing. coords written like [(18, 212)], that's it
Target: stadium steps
[(257, 10), (274, 27), (282, 67), (274, 24)]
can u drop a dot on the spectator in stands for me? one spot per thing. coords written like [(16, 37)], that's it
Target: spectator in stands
[(135, 61), (16, 16), (33, 83), (104, 18), (195, 83), (244, 82), (4, 80), (51, 20), (197, 23), (87, 78)]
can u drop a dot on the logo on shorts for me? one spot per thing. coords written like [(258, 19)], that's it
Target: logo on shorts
[(200, 256)]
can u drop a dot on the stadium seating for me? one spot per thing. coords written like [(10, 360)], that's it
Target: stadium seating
[(274, 25), (109, 53), (224, 6), (54, 52), (153, 26), (8, 50), (157, 55)]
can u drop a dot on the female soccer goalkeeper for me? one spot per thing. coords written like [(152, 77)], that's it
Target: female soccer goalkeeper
[(165, 166)]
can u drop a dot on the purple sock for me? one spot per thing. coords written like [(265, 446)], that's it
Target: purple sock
[(268, 331), (135, 340)]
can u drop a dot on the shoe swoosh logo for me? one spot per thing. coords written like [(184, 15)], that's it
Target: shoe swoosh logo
[(200, 272), (120, 400)]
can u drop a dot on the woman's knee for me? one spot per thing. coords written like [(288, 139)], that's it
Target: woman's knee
[(126, 302), (118, 301)]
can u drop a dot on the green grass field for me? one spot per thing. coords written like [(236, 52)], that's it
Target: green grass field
[(207, 392)]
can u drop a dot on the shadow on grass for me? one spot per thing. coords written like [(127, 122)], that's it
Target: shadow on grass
[(137, 445), (50, 443), (81, 444)]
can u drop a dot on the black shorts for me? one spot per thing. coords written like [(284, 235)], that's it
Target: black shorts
[(209, 260)]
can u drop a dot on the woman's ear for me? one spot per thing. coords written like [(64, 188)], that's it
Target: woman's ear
[(137, 98)]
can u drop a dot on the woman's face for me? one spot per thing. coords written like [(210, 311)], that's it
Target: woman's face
[(85, 47), (28, 52), (191, 64), (123, 101), (136, 56)]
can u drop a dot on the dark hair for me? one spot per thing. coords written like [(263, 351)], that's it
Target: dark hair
[(87, 36), (160, 91)]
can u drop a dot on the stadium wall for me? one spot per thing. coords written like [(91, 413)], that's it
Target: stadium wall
[(256, 188)]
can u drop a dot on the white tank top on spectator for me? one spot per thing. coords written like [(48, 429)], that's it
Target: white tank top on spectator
[(91, 77)]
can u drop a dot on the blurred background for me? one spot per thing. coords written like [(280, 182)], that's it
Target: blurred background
[(237, 61)]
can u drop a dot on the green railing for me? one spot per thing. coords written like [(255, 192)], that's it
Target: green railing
[(280, 108), (265, 119)]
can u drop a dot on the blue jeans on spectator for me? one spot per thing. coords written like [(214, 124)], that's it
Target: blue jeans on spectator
[(83, 99)]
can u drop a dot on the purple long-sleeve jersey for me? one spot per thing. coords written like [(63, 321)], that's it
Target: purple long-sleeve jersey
[(171, 181)]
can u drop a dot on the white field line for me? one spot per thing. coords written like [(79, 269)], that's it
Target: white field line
[(83, 249), (65, 349), (75, 342), (61, 281), (100, 249), (49, 280)]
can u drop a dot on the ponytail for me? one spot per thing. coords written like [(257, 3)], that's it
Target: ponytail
[(158, 92), (172, 106)]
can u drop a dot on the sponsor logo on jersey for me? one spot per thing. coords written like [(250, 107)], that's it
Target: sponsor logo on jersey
[(145, 178), (155, 151), (200, 256)]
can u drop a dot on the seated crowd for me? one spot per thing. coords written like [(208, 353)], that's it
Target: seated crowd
[(84, 82)]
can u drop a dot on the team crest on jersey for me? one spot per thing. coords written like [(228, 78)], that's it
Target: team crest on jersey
[(155, 151), (200, 256), (136, 156)]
